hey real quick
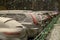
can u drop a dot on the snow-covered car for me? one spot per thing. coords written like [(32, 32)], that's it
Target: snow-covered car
[(53, 13), (10, 29)]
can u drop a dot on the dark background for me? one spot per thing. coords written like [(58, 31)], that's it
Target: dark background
[(30, 5)]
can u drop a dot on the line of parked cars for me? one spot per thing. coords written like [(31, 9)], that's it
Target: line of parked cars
[(23, 25)]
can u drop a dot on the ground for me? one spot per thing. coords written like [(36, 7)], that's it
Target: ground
[(55, 33)]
